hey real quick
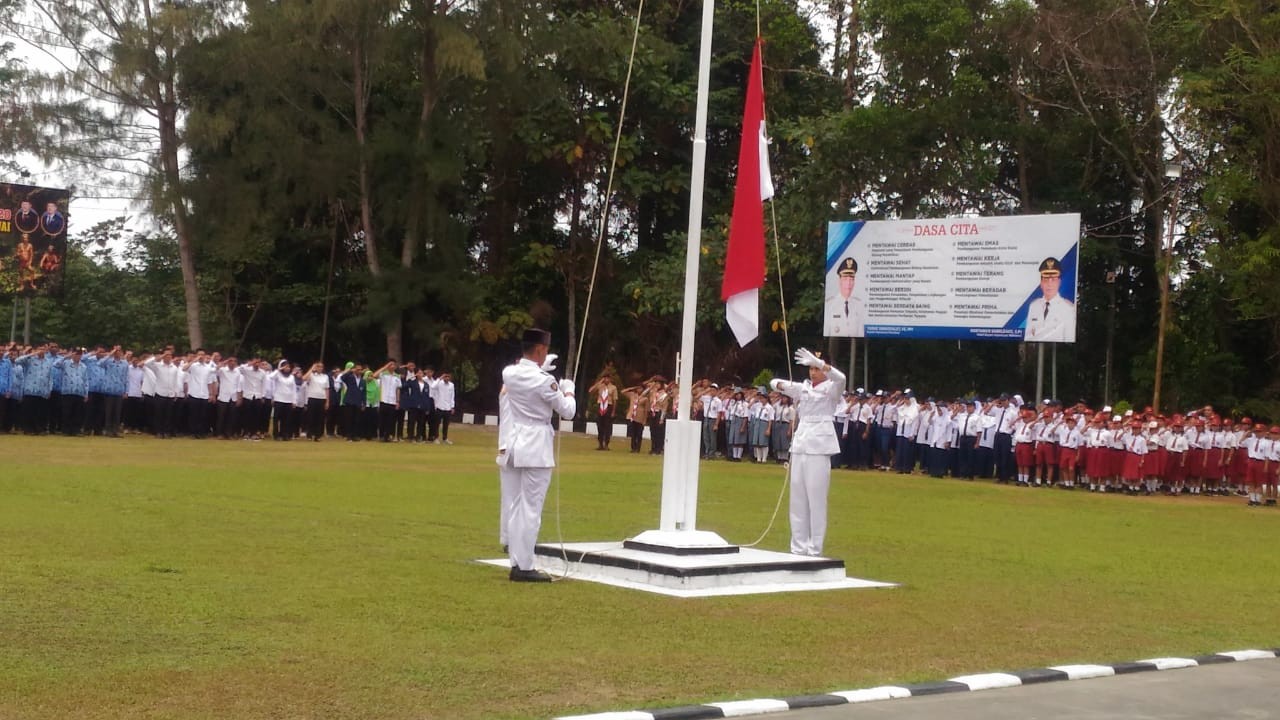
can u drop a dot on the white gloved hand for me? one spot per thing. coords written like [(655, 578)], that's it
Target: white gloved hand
[(808, 359), (550, 363), (567, 387), (776, 383)]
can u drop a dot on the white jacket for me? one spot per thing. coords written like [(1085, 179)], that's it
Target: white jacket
[(532, 397)]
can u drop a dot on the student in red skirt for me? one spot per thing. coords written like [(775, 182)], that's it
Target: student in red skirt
[(1237, 458), (1115, 456), (1201, 442), (1157, 452), (1135, 454), (1069, 441), (1176, 458), (1096, 440), (1047, 445), (1257, 448), (1024, 433), (1215, 457)]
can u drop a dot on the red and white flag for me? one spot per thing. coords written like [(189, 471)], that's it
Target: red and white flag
[(744, 269)]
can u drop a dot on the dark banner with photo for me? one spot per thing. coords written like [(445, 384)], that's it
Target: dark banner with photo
[(33, 240)]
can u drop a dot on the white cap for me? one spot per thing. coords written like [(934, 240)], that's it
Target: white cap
[(1115, 418), (1106, 409)]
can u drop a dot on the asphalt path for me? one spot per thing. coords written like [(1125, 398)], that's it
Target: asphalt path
[(1229, 690)]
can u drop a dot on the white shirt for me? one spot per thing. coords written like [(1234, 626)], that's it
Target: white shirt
[(1052, 321), (389, 386), (135, 379), (815, 406), (844, 316), (253, 381), (283, 388), (532, 396), (199, 378), (442, 394), (168, 382), (229, 384), (317, 386)]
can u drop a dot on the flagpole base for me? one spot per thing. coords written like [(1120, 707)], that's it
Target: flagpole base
[(681, 542)]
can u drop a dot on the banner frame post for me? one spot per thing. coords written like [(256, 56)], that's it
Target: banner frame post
[(1039, 373), (26, 325), (866, 362), (13, 323), (1054, 371), (853, 359)]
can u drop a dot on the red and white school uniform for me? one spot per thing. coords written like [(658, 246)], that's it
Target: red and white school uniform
[(1135, 453)]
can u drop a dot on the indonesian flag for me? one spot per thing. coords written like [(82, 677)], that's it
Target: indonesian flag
[(744, 269)]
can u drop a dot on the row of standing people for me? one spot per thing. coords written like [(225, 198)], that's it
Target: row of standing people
[(75, 391)]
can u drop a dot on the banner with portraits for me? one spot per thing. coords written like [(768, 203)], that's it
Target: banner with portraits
[(995, 278), (33, 240)]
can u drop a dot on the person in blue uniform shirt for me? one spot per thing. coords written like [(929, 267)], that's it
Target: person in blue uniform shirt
[(1051, 317)]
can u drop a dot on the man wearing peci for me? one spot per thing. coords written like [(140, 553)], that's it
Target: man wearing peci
[(844, 311), (532, 397), (1051, 318)]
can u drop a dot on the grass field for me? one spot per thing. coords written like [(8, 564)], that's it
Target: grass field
[(182, 579)]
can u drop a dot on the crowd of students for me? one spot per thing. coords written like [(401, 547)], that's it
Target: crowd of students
[(108, 392), (1003, 438)]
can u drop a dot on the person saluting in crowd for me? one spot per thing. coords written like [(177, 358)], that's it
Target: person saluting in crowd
[(812, 446)]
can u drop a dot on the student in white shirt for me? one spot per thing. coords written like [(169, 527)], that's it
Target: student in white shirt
[(443, 399)]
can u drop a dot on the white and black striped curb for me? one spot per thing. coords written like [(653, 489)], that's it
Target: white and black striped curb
[(964, 683)]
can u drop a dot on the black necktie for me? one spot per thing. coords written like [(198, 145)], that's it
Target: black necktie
[(846, 308), (1046, 310)]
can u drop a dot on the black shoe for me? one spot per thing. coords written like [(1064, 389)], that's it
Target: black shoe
[(518, 575)]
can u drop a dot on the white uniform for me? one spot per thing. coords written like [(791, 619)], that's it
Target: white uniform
[(844, 317), (1051, 321), (811, 449), (532, 396), (508, 477)]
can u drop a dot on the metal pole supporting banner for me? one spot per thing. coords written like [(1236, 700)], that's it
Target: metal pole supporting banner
[(13, 324), (866, 363), (26, 326), (1039, 373), (853, 360), (1054, 373)]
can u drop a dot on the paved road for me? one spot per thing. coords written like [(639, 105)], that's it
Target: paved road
[(1212, 692)]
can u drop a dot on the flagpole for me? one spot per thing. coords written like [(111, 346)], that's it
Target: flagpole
[(681, 458)]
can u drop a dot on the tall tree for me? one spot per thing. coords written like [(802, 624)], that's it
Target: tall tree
[(129, 122)]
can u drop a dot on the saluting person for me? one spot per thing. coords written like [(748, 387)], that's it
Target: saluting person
[(812, 446), (532, 397)]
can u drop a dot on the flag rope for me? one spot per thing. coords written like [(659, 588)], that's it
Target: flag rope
[(591, 286)]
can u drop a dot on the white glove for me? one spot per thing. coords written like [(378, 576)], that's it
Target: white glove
[(776, 383), (808, 359), (550, 363), (567, 387)]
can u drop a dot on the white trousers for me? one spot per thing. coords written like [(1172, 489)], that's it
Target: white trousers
[(810, 480), (508, 488), (526, 515)]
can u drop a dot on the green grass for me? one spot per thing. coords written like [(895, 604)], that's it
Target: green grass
[(150, 579)]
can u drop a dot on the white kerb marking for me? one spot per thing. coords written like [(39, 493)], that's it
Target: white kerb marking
[(988, 681), (739, 708), (1084, 672)]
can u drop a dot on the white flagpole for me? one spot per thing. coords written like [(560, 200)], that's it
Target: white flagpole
[(681, 457)]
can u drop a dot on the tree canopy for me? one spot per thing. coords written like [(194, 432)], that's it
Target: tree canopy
[(424, 178)]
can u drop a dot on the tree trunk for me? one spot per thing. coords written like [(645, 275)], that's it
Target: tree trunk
[(165, 97)]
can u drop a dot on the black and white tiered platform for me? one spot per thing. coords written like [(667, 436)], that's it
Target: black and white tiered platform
[(693, 571)]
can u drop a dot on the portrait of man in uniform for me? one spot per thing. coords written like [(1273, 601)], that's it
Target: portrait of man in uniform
[(843, 310), (1051, 318)]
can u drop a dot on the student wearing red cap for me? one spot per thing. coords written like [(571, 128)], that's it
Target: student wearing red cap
[(1135, 454)]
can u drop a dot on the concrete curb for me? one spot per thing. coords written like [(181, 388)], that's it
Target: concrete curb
[(963, 683)]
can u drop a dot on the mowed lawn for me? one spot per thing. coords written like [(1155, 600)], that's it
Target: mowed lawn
[(183, 579)]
